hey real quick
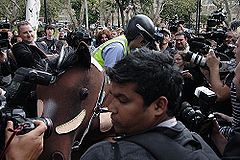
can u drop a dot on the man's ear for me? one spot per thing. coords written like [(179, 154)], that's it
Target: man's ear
[(139, 37), (160, 105)]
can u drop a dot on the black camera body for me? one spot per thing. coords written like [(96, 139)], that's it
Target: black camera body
[(158, 36), (199, 118), (4, 42), (216, 18), (25, 125), (74, 38), (21, 101), (195, 120)]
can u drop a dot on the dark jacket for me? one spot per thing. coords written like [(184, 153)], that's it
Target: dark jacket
[(168, 145), (25, 54)]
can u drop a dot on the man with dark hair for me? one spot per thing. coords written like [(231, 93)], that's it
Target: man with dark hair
[(146, 91), (54, 46), (181, 43)]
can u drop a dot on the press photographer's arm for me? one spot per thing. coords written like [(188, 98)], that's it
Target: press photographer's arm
[(236, 80), (28, 146), (222, 91)]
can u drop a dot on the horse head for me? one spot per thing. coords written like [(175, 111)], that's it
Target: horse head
[(70, 101)]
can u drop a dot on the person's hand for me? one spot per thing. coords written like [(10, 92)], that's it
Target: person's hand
[(3, 57), (222, 117), (28, 146), (218, 139), (187, 74), (212, 60)]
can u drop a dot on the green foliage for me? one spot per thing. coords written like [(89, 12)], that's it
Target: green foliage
[(76, 5), (146, 6), (93, 11), (183, 8), (53, 9)]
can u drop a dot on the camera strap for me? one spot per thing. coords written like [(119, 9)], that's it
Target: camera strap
[(15, 132)]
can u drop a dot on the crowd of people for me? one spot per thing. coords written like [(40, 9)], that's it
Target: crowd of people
[(150, 78)]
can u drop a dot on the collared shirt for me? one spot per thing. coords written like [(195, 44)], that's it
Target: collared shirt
[(168, 123)]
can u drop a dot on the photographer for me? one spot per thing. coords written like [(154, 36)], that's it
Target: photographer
[(25, 147), (220, 87), (165, 46), (227, 45), (232, 90)]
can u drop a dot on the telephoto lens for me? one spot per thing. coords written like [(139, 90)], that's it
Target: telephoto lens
[(197, 59)]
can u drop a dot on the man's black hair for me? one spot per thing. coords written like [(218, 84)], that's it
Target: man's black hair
[(49, 26), (153, 74)]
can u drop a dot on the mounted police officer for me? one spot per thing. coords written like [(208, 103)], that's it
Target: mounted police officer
[(139, 32)]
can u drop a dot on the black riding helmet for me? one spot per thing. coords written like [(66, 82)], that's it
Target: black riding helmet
[(140, 24)]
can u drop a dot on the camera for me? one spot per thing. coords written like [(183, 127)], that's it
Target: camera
[(200, 60), (158, 35), (216, 18), (195, 120), (22, 86), (21, 101), (18, 117), (74, 38), (206, 97), (4, 42), (199, 118)]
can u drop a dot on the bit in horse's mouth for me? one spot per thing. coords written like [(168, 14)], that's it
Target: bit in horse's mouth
[(102, 110)]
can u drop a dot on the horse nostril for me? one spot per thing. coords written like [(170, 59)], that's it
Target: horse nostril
[(83, 93), (57, 156)]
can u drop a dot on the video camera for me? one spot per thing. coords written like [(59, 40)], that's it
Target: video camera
[(216, 18), (74, 38), (158, 35), (199, 118), (4, 42), (17, 107), (174, 23), (215, 29)]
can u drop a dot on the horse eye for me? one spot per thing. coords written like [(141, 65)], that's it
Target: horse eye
[(83, 93)]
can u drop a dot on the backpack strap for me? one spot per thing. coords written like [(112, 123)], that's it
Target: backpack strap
[(169, 150)]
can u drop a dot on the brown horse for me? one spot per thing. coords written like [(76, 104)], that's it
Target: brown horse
[(72, 103)]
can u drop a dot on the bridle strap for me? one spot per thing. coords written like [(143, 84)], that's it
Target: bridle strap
[(96, 112)]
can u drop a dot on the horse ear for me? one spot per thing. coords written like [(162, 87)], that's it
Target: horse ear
[(84, 56)]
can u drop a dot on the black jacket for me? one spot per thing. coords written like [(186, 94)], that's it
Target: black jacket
[(25, 54), (175, 143)]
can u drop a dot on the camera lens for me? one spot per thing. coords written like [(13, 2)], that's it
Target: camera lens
[(195, 59), (48, 123)]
